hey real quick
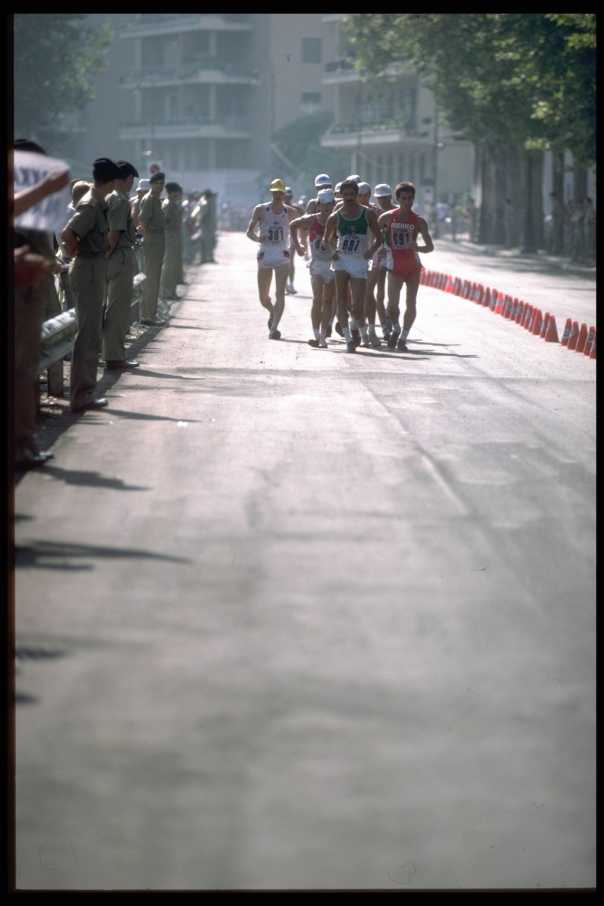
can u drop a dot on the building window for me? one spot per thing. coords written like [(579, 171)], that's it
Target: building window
[(311, 50)]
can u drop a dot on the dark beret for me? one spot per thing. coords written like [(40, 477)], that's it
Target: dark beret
[(173, 187), (104, 170), (126, 169), (157, 177)]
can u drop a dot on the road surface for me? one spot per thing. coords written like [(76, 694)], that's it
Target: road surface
[(295, 618)]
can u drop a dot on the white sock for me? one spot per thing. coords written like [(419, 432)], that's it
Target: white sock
[(317, 333), (347, 334), (354, 324)]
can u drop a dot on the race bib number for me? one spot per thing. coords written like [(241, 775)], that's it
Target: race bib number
[(350, 245), (274, 234), (401, 238)]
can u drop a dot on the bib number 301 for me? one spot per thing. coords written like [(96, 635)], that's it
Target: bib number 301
[(275, 234)]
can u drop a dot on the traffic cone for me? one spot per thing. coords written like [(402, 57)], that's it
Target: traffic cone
[(590, 339), (566, 334), (574, 336), (551, 333), (487, 298), (592, 354), (582, 338), (499, 305), (536, 328), (508, 305), (528, 317), (519, 311), (449, 284), (493, 304), (544, 326)]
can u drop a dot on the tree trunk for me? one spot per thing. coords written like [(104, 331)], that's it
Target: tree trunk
[(580, 183), (487, 210), (529, 237), (499, 187), (483, 228), (558, 220), (538, 200)]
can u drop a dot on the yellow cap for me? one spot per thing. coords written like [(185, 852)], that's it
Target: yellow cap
[(277, 185)]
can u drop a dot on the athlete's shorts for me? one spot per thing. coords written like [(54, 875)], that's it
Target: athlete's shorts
[(353, 266), (404, 267), (273, 258), (322, 269)]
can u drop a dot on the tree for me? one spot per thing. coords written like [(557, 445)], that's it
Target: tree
[(56, 57), (509, 82)]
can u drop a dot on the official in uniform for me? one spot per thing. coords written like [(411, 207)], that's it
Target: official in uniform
[(121, 267), (152, 221), (172, 267), (85, 238)]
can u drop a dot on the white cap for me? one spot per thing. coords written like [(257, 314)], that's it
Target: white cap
[(338, 186), (325, 196), (143, 185), (322, 180), (364, 188), (355, 178), (383, 190)]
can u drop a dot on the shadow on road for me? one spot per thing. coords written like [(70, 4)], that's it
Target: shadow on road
[(91, 479), (40, 554)]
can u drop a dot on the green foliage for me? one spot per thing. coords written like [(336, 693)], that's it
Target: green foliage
[(56, 57), (499, 78), (300, 142)]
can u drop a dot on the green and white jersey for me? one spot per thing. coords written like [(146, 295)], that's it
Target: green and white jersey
[(353, 235)]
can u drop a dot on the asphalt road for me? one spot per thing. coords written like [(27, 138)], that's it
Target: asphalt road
[(295, 618)]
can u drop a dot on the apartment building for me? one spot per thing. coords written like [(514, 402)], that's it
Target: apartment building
[(390, 125)]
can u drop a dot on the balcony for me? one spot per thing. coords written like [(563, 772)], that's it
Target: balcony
[(338, 71), (188, 127), (384, 132), (206, 69), (146, 25)]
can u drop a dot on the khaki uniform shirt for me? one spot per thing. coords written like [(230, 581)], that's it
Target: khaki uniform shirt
[(89, 223), (172, 211), (119, 219), (151, 215)]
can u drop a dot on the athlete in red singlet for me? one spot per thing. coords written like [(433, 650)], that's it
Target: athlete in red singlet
[(402, 228)]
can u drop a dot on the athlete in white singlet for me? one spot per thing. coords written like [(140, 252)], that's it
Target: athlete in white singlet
[(289, 200), (272, 222), (376, 280), (321, 275)]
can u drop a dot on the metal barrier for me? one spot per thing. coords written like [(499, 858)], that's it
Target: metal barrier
[(58, 334)]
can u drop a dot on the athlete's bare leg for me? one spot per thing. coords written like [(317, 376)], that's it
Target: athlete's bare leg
[(317, 285), (358, 288), (370, 306), (327, 309), (280, 281), (265, 275), (395, 284), (381, 292), (412, 282), (342, 281)]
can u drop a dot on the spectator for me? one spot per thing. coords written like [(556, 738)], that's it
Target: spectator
[(121, 266), (85, 239), (152, 221), (34, 266), (208, 226), (172, 266)]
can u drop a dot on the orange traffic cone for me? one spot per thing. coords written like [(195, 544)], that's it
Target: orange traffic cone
[(529, 317), (590, 338), (493, 303), (449, 284), (582, 338), (566, 335), (574, 336), (544, 325), (536, 328), (520, 314), (551, 333)]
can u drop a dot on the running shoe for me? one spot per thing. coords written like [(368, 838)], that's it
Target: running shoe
[(392, 340), (356, 336), (350, 346), (314, 343), (293, 291), (374, 340), (274, 335), (401, 345), (323, 344)]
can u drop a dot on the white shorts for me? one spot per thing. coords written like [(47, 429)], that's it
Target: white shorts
[(322, 269), (273, 258), (353, 266)]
